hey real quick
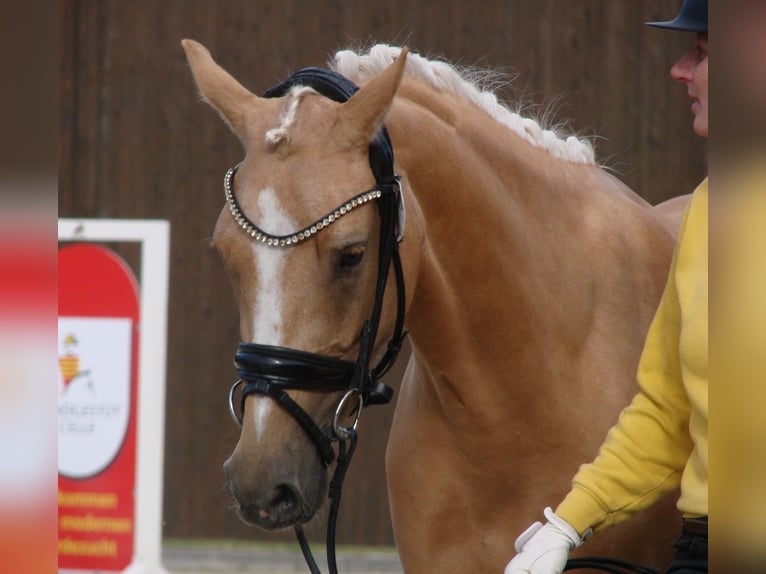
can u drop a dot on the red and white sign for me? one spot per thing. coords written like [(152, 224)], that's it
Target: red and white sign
[(98, 394)]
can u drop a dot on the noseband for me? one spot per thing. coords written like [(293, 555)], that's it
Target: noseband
[(270, 371)]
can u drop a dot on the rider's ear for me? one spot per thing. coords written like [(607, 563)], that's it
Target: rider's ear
[(218, 88), (360, 118)]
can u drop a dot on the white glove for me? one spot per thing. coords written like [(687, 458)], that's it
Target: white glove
[(545, 549)]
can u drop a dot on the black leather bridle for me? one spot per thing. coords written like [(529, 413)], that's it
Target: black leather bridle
[(271, 370)]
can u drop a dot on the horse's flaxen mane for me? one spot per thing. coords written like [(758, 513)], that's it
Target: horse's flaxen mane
[(444, 76)]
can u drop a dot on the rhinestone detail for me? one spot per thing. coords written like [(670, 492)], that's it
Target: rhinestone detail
[(295, 238)]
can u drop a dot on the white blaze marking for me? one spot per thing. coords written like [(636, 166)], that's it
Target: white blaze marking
[(267, 307), (262, 408)]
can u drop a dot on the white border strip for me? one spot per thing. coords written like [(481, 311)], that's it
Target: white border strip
[(154, 236)]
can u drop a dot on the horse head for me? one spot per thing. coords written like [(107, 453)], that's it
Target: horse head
[(303, 261)]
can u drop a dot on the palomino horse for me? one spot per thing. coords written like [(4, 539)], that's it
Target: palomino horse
[(532, 275)]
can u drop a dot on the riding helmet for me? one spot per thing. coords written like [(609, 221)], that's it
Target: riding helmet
[(691, 18)]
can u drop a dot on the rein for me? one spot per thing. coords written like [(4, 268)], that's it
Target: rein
[(610, 565), (270, 371)]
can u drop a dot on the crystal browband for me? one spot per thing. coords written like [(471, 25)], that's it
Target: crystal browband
[(294, 238)]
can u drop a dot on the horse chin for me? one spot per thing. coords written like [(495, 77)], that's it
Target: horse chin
[(252, 516)]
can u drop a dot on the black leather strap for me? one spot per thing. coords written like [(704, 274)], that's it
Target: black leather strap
[(328, 83), (292, 368), (320, 439), (400, 334), (610, 565)]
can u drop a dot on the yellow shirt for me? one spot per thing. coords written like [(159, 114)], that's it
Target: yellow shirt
[(661, 438)]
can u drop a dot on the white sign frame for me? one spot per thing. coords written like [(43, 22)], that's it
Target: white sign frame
[(154, 237)]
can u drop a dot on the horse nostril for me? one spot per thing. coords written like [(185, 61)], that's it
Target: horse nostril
[(278, 507), (284, 507), (285, 501)]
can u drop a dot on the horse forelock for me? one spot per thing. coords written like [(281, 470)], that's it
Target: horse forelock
[(442, 75), (288, 116)]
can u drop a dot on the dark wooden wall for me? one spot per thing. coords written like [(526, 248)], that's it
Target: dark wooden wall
[(136, 143)]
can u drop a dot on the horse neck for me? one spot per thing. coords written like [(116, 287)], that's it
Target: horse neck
[(505, 234)]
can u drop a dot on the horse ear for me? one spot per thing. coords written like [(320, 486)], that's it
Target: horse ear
[(218, 88), (363, 114)]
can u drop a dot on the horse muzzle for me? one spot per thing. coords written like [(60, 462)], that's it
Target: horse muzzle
[(280, 508), (275, 503)]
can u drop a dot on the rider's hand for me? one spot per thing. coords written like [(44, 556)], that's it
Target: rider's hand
[(545, 549)]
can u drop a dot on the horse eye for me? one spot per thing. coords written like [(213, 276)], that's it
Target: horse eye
[(351, 257)]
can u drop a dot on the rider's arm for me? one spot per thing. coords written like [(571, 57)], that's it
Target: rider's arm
[(662, 434)]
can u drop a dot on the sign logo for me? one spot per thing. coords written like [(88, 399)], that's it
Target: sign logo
[(69, 363), (94, 392)]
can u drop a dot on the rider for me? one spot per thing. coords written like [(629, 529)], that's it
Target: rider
[(661, 439)]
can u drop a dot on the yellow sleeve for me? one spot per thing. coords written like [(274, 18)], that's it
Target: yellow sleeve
[(644, 454)]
